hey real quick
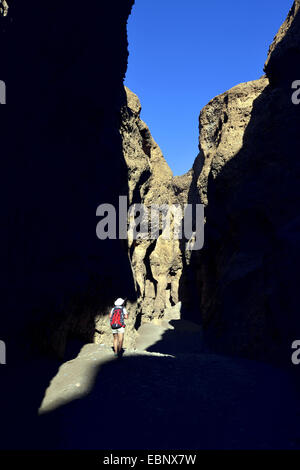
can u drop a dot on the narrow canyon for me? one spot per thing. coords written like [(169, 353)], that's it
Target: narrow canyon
[(213, 326)]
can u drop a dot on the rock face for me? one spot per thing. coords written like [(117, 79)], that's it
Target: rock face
[(63, 66), (283, 62), (242, 284), (70, 135), (71, 138), (156, 263), (222, 126), (3, 8), (246, 274)]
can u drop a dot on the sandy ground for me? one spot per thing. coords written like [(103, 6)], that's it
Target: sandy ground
[(169, 393)]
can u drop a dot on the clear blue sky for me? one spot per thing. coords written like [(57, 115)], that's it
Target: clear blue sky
[(183, 53)]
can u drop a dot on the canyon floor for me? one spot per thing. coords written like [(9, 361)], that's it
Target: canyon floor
[(169, 393)]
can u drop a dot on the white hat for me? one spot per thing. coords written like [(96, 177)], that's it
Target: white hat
[(119, 301)]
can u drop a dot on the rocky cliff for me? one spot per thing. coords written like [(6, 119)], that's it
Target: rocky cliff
[(3, 8), (63, 65), (156, 263), (242, 285), (249, 143), (282, 65), (68, 144), (71, 138), (61, 157)]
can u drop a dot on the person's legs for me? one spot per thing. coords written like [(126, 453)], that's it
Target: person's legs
[(120, 339), (115, 339)]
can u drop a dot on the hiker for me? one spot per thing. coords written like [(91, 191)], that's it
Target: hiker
[(117, 315)]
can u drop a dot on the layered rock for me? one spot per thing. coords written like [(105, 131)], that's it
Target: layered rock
[(242, 284), (222, 125), (156, 263), (246, 274), (60, 282)]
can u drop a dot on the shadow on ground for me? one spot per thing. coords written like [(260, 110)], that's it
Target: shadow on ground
[(192, 401), (182, 337)]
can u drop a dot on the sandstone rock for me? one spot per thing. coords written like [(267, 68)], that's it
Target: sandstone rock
[(242, 284), (3, 8), (156, 263), (222, 125), (246, 273), (282, 65)]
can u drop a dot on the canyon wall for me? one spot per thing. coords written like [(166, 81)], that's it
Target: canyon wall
[(72, 138), (61, 155), (3, 8), (242, 285), (63, 64), (156, 263), (246, 274)]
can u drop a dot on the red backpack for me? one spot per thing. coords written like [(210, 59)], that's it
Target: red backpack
[(117, 318)]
